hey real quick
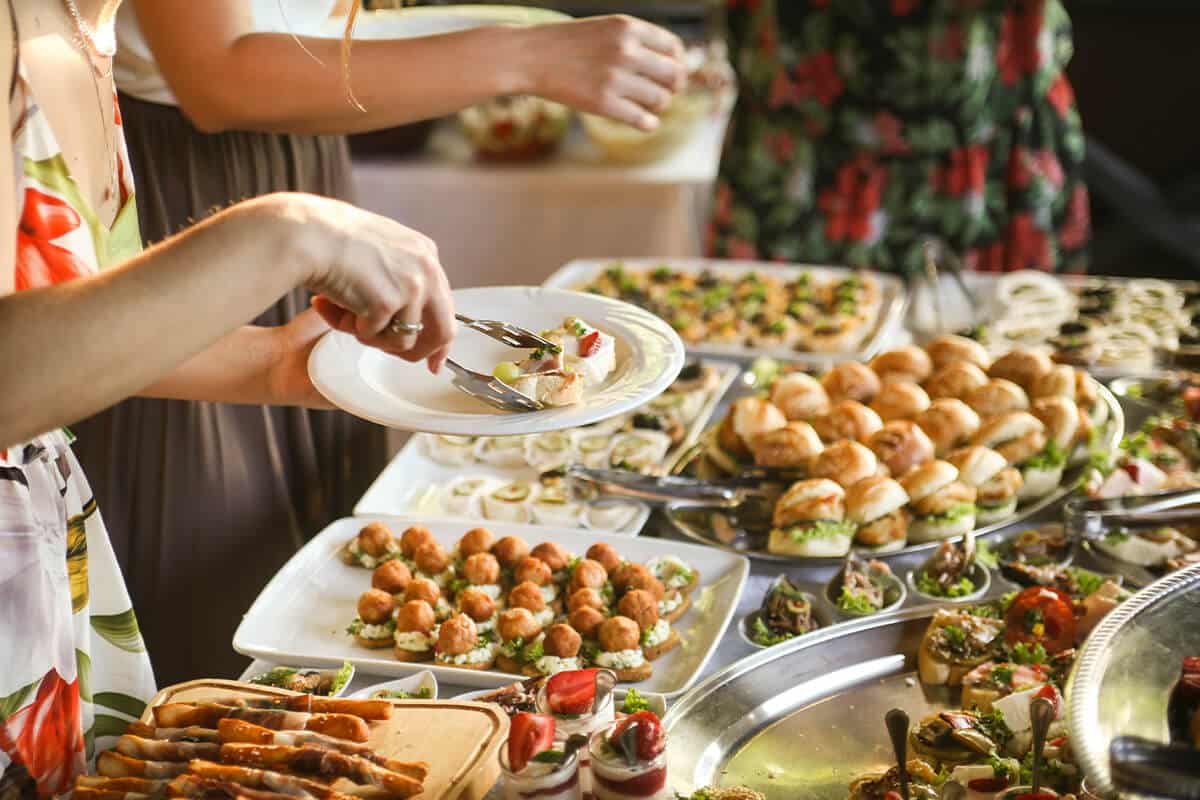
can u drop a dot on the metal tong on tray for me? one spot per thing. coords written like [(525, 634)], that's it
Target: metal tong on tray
[(592, 485), (1092, 520)]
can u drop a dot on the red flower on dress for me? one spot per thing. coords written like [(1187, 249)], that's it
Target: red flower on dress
[(1061, 95), (782, 91), (891, 134), (780, 145), (989, 258), (1077, 225), (740, 248), (47, 735), (852, 199), (1046, 164), (768, 40), (949, 46), (902, 8), (723, 203), (1017, 51), (40, 262), (1027, 247), (966, 173), (817, 76)]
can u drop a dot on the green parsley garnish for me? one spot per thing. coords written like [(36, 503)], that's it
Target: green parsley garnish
[(550, 757), (424, 693), (855, 602), (761, 634), (278, 675), (1003, 675), (634, 702), (1022, 653), (993, 726), (1052, 456), (341, 678), (955, 635), (1087, 581)]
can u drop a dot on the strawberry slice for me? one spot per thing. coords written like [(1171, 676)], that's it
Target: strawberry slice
[(1051, 694), (572, 692), (529, 734), (589, 345), (649, 737)]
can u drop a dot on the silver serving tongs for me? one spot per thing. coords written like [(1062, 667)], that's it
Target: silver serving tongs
[(594, 485), (1092, 520), (936, 252), (489, 388)]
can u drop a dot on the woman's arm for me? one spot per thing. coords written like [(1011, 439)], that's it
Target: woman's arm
[(226, 76)]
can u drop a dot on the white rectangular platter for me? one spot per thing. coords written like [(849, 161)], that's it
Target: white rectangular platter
[(414, 482), (577, 274), (302, 614)]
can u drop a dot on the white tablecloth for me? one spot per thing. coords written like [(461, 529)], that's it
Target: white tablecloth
[(499, 224)]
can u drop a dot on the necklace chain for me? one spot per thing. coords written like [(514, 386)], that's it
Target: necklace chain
[(86, 41)]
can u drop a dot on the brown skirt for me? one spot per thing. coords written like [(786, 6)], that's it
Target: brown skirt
[(205, 502)]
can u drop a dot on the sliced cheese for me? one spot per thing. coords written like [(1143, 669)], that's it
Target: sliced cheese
[(972, 772), (1015, 708)]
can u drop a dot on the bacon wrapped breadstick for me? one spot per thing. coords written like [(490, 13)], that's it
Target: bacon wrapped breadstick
[(236, 731), (267, 780), (157, 750), (115, 765), (138, 785), (193, 786), (89, 793), (312, 760), (371, 710), (208, 715), (193, 734)]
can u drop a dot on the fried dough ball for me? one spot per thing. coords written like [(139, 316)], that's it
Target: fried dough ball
[(375, 606), (415, 615), (605, 555), (527, 595), (517, 623), (588, 574), (553, 554), (476, 540), (641, 607), (532, 570), (457, 635), (375, 539), (391, 576), (619, 633), (413, 538), (562, 641), (586, 620), (431, 558), (585, 598), (623, 577), (422, 589), (643, 580), (481, 569), (510, 550), (477, 604)]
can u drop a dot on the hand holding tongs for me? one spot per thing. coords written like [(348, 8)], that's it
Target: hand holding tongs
[(1093, 519), (589, 485), (489, 388)]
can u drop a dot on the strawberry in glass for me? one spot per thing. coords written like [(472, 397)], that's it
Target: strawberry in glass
[(533, 767), (629, 759), (581, 702)]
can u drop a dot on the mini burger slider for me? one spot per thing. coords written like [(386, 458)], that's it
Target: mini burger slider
[(900, 446), (810, 521), (948, 423), (876, 506), (1021, 438), (952, 349), (845, 463), (995, 482), (791, 447), (848, 419), (749, 417), (904, 364), (955, 380), (851, 380), (799, 396), (900, 401), (1022, 367), (943, 506)]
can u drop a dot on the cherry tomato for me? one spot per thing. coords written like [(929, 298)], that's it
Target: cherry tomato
[(529, 735), (589, 344), (651, 740), (572, 692), (1042, 615)]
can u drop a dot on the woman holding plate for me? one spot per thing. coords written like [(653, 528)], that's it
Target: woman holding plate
[(229, 99)]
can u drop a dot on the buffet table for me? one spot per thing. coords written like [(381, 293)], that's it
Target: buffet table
[(498, 224)]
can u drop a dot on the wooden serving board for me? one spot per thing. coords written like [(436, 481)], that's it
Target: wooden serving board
[(459, 741)]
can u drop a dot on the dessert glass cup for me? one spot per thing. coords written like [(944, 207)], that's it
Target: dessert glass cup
[(584, 724), (541, 781), (614, 779)]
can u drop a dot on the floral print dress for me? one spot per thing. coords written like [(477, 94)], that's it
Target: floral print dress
[(864, 126), (73, 669)]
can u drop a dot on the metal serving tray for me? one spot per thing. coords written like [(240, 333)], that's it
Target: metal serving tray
[(802, 719), (1127, 669), (695, 523)]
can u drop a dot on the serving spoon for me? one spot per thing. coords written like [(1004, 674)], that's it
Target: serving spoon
[(1041, 711), (897, 727)]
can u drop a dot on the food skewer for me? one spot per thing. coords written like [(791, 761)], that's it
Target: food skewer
[(897, 727)]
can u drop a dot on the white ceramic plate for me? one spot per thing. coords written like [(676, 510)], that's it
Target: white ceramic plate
[(258, 668), (412, 684), (389, 391), (414, 482), (302, 614), (429, 21)]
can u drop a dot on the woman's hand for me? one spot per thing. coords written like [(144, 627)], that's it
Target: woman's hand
[(615, 66), (287, 378), (367, 271)]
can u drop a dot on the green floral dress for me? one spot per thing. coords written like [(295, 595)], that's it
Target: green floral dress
[(73, 668), (864, 126)]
